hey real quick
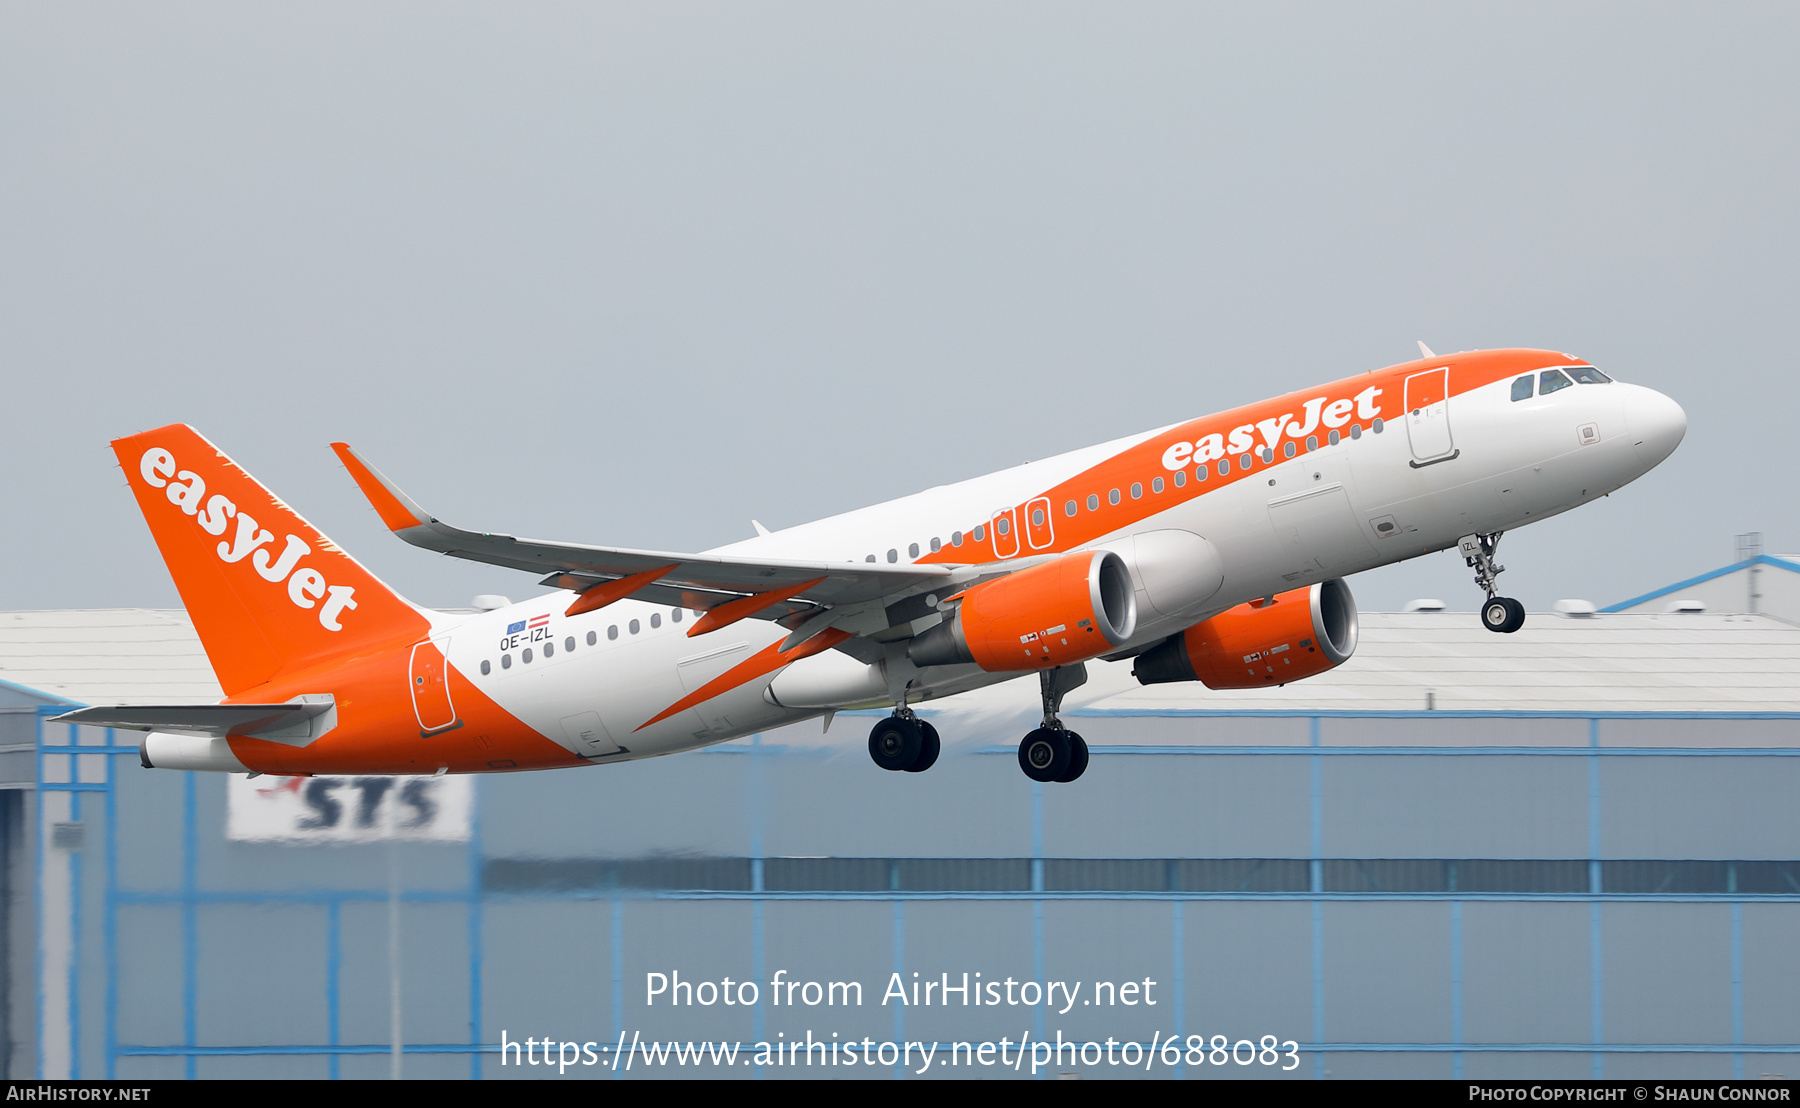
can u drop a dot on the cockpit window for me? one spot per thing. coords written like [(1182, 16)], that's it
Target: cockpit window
[(1550, 380), (1588, 375), (1522, 388)]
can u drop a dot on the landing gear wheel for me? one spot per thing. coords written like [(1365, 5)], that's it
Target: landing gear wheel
[(895, 743), (1502, 614), (928, 748), (1045, 753), (1078, 757), (1518, 615), (1495, 613)]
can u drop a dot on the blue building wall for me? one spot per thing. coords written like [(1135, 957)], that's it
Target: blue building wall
[(1400, 894)]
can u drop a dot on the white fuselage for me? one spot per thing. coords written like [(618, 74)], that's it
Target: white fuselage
[(1490, 464)]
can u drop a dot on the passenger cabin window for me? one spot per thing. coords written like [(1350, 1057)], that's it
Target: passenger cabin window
[(870, 558), (980, 532), (487, 667), (956, 538), (1199, 475), (1181, 476), (549, 650), (1312, 443), (1588, 375), (1093, 502), (632, 627), (1552, 379), (1356, 430), (893, 555), (1070, 509), (525, 655), (1225, 466), (1377, 425), (1137, 490), (592, 638), (912, 551), (655, 619), (1332, 439), (1289, 449), (1244, 461), (1112, 497), (506, 661), (1156, 484), (674, 615), (612, 632), (937, 544), (569, 643)]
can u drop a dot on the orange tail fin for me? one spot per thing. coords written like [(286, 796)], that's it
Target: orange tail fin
[(268, 593)]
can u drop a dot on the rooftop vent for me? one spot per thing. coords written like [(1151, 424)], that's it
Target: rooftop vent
[(1686, 607), (1575, 609), (488, 601), (1424, 606)]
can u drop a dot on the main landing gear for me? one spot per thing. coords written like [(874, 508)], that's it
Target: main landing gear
[(905, 742), (1053, 752), (1498, 613)]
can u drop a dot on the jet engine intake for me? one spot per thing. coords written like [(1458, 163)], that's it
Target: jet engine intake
[(1299, 634), (1077, 607)]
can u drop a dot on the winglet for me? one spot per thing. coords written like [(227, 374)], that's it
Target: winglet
[(396, 509), (1425, 350)]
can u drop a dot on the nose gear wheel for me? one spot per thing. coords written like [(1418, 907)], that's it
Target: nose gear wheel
[(1503, 614)]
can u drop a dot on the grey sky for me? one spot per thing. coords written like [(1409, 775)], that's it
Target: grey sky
[(635, 274)]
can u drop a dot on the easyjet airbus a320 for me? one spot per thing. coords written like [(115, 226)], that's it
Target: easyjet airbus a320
[(1211, 550)]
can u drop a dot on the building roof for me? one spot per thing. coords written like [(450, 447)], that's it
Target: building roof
[(1763, 585), (107, 656), (1639, 661), (1619, 661)]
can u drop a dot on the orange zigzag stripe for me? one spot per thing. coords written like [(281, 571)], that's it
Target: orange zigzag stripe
[(767, 660)]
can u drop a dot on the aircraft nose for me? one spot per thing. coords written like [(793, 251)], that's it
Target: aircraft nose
[(1657, 424)]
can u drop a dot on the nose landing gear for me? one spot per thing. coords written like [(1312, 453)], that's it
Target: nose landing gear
[(1052, 752), (1498, 613)]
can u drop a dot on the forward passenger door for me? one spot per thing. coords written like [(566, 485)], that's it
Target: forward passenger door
[(1428, 417)]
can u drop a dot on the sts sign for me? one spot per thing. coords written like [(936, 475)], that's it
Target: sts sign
[(348, 809)]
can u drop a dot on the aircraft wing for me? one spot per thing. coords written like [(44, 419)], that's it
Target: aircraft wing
[(769, 589), (217, 720)]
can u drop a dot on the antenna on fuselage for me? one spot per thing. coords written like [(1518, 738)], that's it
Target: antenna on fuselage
[(1425, 350)]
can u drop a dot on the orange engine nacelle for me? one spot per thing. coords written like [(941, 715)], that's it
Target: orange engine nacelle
[(1076, 607), (1303, 632)]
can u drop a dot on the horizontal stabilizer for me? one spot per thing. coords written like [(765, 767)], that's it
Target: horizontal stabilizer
[(217, 720)]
